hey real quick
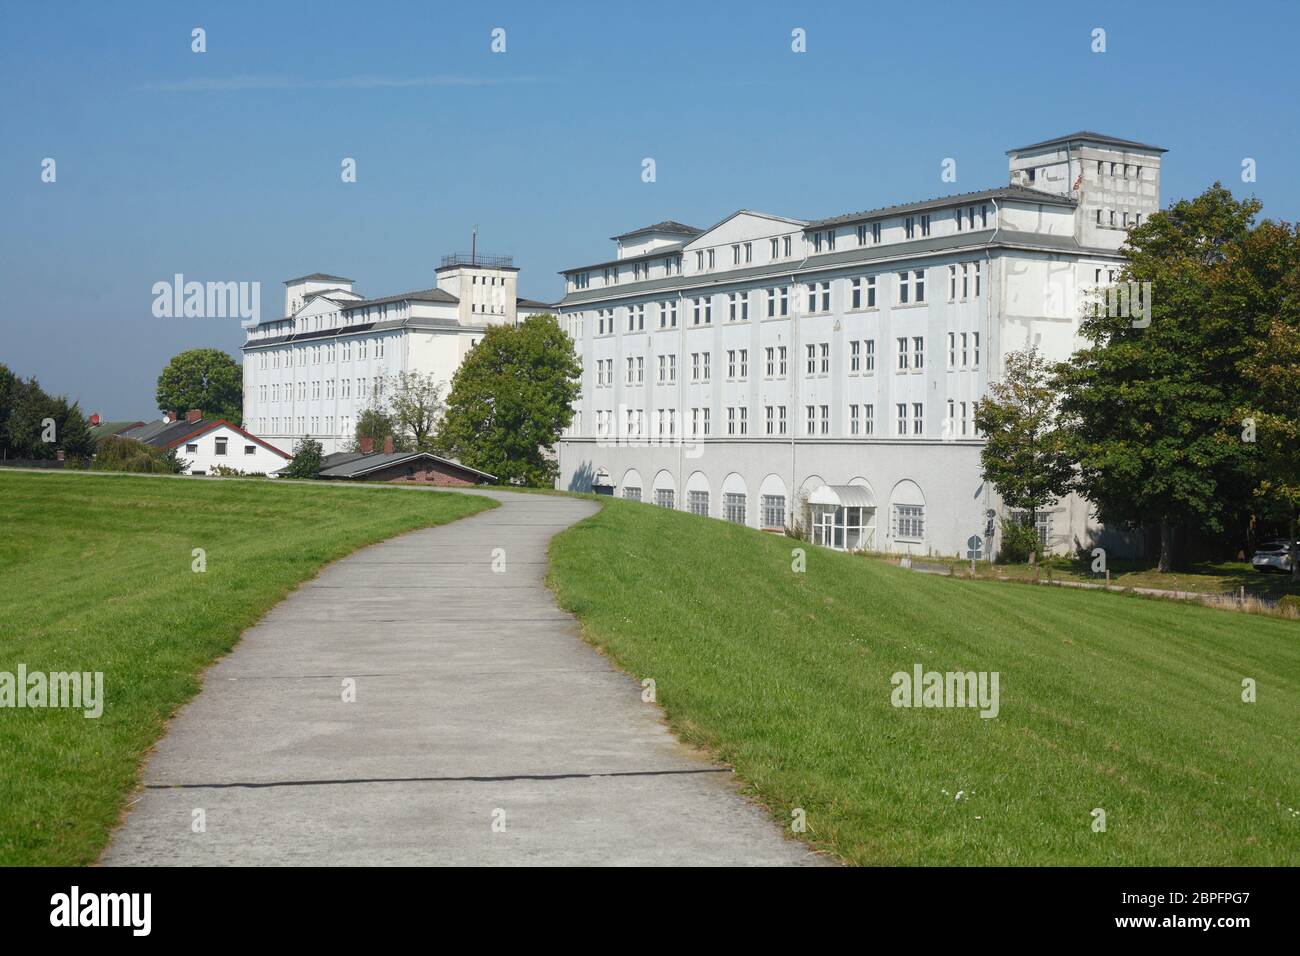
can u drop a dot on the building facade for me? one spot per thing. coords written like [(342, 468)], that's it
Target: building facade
[(777, 371), (312, 371)]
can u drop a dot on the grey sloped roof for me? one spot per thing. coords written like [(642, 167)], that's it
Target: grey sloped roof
[(319, 277), (667, 226), (420, 295), (1089, 136), (856, 255), (348, 464), (531, 304), (958, 199)]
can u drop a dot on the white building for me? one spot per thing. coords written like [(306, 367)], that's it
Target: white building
[(314, 370), (206, 443), (768, 370)]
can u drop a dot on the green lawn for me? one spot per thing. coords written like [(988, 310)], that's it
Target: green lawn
[(1107, 701), (95, 572), (1204, 577)]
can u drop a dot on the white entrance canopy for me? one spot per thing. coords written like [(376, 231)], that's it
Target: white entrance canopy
[(843, 496)]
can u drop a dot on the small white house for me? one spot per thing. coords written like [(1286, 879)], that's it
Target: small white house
[(205, 443)]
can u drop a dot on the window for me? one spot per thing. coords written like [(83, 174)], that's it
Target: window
[(975, 340), (774, 249), (918, 418), (771, 361), (781, 352), (632, 494), (904, 287), (698, 502), (785, 247), (875, 232), (668, 314), (900, 424), (1042, 524), (810, 423), (769, 417), (780, 419), (909, 227), (733, 508), (778, 302), (952, 349), (738, 307), (977, 278), (744, 364), (925, 225), (250, 449), (191, 449), (731, 420), (952, 283), (855, 356), (735, 254), (699, 260), (664, 497), (902, 354), (749, 252), (863, 292), (772, 508), (918, 352), (868, 419), (826, 419), (710, 258), (811, 351), (909, 522), (862, 234), (636, 318), (855, 420), (825, 349), (869, 355), (219, 446)]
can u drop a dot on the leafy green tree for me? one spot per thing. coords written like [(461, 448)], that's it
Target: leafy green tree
[(377, 424), (1025, 455), (1150, 410), (308, 456), (1260, 283), (73, 432), (27, 426), (415, 405), (207, 379), (510, 400), (8, 388)]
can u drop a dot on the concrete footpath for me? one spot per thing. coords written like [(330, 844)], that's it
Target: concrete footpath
[(484, 731)]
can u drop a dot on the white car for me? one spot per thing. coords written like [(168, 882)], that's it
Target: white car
[(1273, 556)]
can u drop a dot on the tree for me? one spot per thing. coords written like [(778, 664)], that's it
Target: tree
[(8, 388), (308, 455), (28, 425), (1261, 278), (1149, 409), (416, 405), (207, 379), (376, 424), (510, 400), (72, 430), (124, 454), (1025, 455)]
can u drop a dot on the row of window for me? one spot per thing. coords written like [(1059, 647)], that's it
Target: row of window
[(316, 354), (1119, 218), (963, 352), (909, 420), (219, 447), (307, 425), (776, 301), (320, 388)]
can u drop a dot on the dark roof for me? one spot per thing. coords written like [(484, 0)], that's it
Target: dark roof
[(351, 464), (1090, 137), (319, 277), (104, 429), (531, 304), (668, 225), (162, 434), (998, 192), (421, 295)]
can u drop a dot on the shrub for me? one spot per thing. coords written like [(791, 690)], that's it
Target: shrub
[(124, 454), (307, 459), (1289, 602), (1019, 540)]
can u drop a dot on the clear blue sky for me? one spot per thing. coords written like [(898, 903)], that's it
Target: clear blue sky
[(225, 165)]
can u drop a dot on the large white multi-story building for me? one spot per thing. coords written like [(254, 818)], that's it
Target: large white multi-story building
[(773, 371), (314, 370)]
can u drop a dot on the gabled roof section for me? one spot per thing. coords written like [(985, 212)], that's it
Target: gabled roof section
[(319, 277), (350, 464), (748, 212), (161, 434), (421, 295), (667, 227), (1023, 193), (1088, 136)]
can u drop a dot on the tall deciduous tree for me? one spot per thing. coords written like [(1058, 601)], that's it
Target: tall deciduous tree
[(1260, 284), (510, 400), (206, 379), (1151, 409), (415, 404), (1025, 455)]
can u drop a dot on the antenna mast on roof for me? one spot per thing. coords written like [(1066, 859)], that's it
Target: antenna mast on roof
[(473, 246)]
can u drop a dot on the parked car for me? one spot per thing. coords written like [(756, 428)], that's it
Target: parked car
[(1273, 556)]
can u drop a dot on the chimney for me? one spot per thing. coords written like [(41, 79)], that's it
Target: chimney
[(169, 417), (388, 445), (94, 419), (367, 445), (193, 415), (58, 455)]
